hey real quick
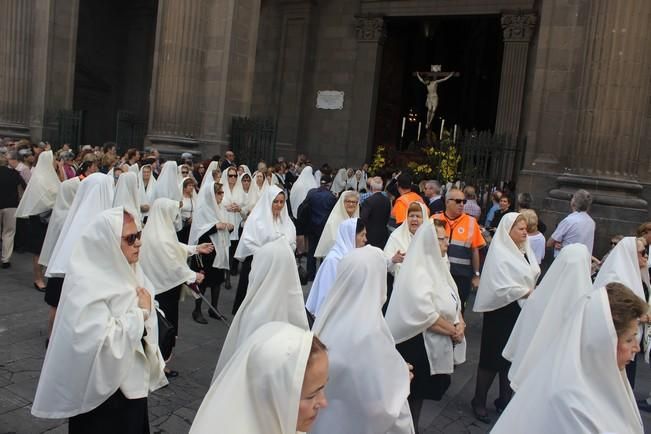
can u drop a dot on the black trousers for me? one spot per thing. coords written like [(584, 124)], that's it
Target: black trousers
[(168, 302), (53, 291), (463, 285), (118, 414), (243, 283), (312, 241)]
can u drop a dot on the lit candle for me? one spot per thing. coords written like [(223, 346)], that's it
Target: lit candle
[(402, 132), (442, 124), (454, 135), (418, 139)]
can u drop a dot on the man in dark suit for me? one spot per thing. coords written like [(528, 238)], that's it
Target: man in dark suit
[(312, 217), (375, 213), (433, 197)]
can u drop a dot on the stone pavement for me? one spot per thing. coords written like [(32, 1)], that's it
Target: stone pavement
[(22, 335)]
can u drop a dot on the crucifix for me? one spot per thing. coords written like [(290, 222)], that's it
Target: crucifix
[(431, 79)]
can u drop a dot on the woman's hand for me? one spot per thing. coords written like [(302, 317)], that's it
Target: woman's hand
[(199, 278), (144, 299), (460, 328), (205, 248), (229, 227), (411, 371), (398, 258), (645, 319)]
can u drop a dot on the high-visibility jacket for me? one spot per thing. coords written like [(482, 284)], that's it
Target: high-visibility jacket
[(399, 211), (464, 235)]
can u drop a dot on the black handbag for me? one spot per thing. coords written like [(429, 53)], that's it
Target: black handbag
[(166, 335)]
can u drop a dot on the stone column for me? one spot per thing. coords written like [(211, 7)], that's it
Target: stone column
[(614, 90), (16, 22), (177, 73), (518, 29), (371, 34)]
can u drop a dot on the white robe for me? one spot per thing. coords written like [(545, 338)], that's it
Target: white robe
[(507, 276), (207, 215), (95, 348), (234, 196), (536, 328), (128, 196), (167, 184), (261, 227), (400, 239), (274, 294), (267, 402), (303, 184), (369, 380), (62, 205), (327, 272), (41, 190), (577, 386), (340, 181), (337, 215), (423, 292), (95, 195), (162, 257)]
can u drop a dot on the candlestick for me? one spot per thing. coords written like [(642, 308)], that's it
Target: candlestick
[(418, 139), (454, 136), (402, 132), (442, 124)]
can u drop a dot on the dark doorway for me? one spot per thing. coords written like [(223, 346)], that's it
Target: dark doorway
[(470, 45), (115, 46)]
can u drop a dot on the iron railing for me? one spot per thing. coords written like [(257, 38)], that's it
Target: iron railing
[(253, 139), (129, 131)]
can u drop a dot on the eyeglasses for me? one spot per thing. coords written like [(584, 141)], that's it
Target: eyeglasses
[(219, 193), (613, 243), (351, 202), (459, 201), (232, 176), (184, 173), (132, 238), (643, 253)]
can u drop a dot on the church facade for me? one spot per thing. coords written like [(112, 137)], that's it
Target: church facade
[(573, 79)]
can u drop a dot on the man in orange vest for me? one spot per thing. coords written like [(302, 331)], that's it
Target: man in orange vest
[(399, 211), (465, 240)]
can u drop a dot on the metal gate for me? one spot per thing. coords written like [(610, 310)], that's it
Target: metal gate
[(253, 139), (129, 131), (70, 128)]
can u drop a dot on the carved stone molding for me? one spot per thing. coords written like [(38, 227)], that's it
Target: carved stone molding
[(370, 29), (518, 27)]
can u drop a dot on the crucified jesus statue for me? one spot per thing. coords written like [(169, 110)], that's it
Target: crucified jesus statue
[(432, 96)]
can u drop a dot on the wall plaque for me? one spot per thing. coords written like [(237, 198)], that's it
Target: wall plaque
[(330, 100)]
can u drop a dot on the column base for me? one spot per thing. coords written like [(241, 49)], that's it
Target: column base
[(8, 129), (617, 206), (171, 147)]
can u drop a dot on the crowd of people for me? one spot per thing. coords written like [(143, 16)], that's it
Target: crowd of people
[(119, 241)]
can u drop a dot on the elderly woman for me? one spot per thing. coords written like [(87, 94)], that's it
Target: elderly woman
[(424, 316), (274, 294), (283, 397), (301, 186), (510, 275), (146, 183), (579, 385), (351, 235), (189, 205), (103, 359), (268, 221), (369, 380), (626, 264), (233, 203), (128, 196), (346, 207)]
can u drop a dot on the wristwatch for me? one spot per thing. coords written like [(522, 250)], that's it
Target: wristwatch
[(477, 273)]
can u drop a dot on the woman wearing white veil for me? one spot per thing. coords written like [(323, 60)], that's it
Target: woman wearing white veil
[(233, 203), (36, 205), (369, 380), (127, 195), (303, 184), (285, 394), (346, 207), (347, 240), (579, 385), (623, 265), (95, 195), (268, 221), (167, 184), (164, 260), (103, 359), (274, 294), (213, 173), (62, 204), (146, 183), (210, 225), (538, 326), (424, 316), (509, 276), (258, 185), (340, 181)]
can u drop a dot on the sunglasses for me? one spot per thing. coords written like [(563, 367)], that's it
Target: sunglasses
[(220, 193), (232, 176), (459, 201), (184, 172), (643, 253), (131, 239)]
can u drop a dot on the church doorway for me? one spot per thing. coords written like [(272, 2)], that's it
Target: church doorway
[(113, 69), (469, 45)]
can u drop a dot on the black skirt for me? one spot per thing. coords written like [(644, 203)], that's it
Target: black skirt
[(118, 414), (496, 329), (424, 385), (53, 291), (37, 229)]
